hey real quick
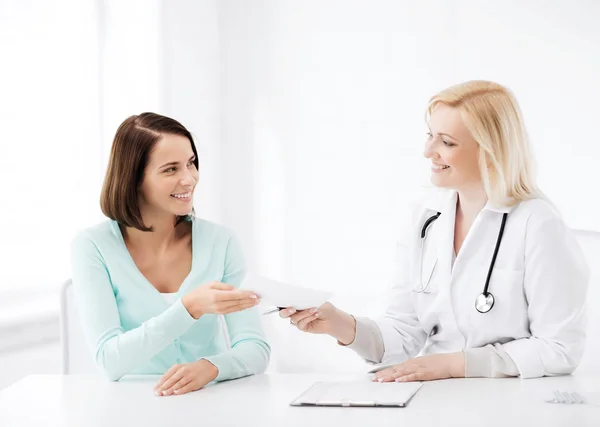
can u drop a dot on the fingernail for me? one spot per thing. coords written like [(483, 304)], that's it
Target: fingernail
[(176, 391), (313, 310), (291, 310), (158, 393), (316, 314), (398, 380), (380, 380), (253, 296), (164, 393)]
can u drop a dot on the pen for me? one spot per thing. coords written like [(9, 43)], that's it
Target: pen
[(274, 310)]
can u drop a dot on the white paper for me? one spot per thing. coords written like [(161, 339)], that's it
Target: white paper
[(282, 294)]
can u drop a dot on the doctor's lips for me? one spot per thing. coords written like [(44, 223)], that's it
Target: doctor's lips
[(436, 167)]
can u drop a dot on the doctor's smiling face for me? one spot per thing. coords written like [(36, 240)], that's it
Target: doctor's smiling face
[(453, 152)]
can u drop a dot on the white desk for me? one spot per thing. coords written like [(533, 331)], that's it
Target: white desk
[(263, 401)]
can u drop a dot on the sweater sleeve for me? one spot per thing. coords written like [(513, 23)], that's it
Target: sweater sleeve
[(249, 353), (115, 351)]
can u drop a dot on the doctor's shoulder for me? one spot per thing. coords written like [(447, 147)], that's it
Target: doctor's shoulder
[(547, 231), (544, 224), (539, 211)]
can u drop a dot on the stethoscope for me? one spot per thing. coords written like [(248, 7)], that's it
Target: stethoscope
[(485, 301)]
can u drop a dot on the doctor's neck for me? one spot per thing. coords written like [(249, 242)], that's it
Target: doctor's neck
[(471, 201)]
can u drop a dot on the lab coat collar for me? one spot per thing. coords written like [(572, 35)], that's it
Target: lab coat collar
[(443, 200), (498, 209)]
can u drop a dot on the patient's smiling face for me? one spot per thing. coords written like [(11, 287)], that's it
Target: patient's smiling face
[(170, 177)]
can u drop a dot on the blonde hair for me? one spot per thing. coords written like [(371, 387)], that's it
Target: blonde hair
[(492, 115)]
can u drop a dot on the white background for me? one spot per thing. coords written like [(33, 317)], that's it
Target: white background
[(308, 116)]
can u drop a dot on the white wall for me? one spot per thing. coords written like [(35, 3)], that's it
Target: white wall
[(190, 87), (129, 64), (49, 109), (322, 117), (75, 70), (548, 53), (308, 116)]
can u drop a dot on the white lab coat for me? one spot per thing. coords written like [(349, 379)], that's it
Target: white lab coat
[(539, 282)]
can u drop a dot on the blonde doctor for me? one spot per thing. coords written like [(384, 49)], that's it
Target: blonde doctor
[(490, 281)]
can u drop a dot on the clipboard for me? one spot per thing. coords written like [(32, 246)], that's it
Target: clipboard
[(358, 393)]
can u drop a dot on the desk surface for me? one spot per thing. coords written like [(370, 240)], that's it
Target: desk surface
[(264, 401)]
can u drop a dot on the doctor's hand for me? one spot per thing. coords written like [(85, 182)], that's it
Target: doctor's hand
[(326, 319), (425, 368), (181, 379)]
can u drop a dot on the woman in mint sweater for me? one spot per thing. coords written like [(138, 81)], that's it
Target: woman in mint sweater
[(150, 282)]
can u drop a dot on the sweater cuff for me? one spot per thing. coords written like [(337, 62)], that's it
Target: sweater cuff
[(491, 361), (223, 364), (478, 362)]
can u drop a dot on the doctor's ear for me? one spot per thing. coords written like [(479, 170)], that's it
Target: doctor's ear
[(487, 161)]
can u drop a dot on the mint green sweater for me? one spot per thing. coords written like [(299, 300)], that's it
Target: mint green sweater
[(131, 329)]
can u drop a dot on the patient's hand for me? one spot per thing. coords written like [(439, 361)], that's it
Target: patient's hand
[(181, 379)]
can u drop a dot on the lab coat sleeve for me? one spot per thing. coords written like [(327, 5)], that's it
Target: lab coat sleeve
[(401, 331), (555, 284), (398, 335), (249, 353), (491, 361)]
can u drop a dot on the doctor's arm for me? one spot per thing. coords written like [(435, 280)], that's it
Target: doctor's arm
[(398, 335), (555, 283)]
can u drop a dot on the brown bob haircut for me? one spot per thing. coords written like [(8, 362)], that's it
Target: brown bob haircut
[(129, 155)]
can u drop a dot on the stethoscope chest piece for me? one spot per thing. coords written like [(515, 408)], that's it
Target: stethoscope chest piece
[(484, 302)]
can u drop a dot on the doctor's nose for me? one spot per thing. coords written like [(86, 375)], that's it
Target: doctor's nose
[(429, 152)]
